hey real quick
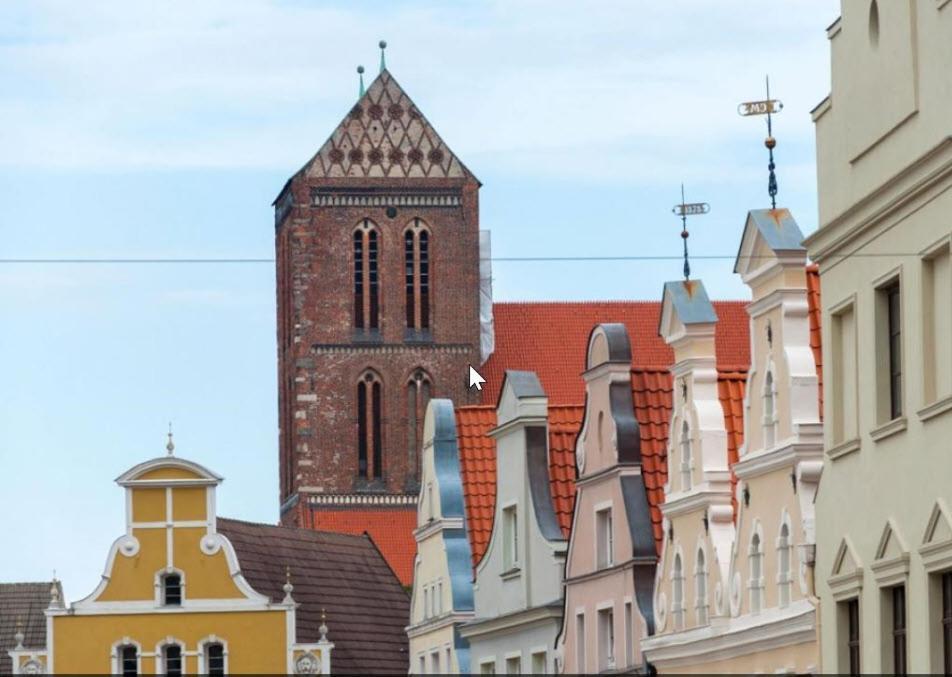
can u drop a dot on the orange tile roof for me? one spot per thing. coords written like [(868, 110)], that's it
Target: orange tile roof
[(478, 468), (477, 463), (550, 339), (565, 422), (651, 390), (391, 530), (730, 389), (815, 312)]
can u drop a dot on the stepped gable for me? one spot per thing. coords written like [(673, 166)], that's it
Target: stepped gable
[(385, 136)]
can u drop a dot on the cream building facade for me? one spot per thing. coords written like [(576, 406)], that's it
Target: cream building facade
[(442, 577), (735, 585), (884, 165)]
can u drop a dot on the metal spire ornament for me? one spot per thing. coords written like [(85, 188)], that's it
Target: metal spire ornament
[(360, 73), (683, 210), (170, 446), (766, 107), (383, 61)]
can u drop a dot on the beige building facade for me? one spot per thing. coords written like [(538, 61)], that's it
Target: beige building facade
[(884, 164), (735, 585)]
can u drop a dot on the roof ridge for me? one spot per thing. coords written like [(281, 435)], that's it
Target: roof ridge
[(303, 530)]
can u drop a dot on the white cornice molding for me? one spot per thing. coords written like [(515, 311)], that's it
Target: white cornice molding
[(879, 209), (752, 633), (481, 627), (790, 453), (425, 531), (438, 623), (698, 499)]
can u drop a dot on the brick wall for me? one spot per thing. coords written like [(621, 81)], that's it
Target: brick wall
[(322, 356)]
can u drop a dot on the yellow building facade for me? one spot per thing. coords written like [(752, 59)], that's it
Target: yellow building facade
[(172, 599)]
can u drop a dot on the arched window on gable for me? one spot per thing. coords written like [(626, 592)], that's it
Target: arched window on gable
[(700, 585), (770, 411), (416, 255), (419, 390), (369, 427), (756, 584), (366, 276), (784, 578), (686, 459), (677, 595)]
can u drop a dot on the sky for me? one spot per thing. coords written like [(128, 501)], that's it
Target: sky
[(165, 130)]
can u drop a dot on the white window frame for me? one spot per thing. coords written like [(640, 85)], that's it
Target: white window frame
[(687, 456), (701, 593), (784, 574), (580, 642), (755, 562), (202, 658), (159, 582), (160, 668), (513, 656), (609, 661), (510, 534), (604, 535), (770, 412), (677, 591), (116, 659)]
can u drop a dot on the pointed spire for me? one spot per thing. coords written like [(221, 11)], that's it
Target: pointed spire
[(383, 59), (170, 445), (360, 73)]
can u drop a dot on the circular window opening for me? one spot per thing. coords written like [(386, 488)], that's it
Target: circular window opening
[(391, 212), (874, 23)]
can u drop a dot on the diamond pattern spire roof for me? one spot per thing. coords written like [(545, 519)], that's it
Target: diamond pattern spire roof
[(385, 136)]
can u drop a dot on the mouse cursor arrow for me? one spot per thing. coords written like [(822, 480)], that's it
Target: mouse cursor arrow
[(475, 379)]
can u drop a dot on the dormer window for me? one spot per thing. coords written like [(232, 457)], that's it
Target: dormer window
[(171, 590)]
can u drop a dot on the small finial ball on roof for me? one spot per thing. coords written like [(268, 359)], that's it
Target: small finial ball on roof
[(360, 69), (770, 142), (383, 44)]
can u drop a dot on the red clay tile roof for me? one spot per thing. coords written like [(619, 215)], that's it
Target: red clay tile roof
[(391, 530), (565, 422), (23, 603), (730, 389), (651, 391), (478, 468), (815, 312), (367, 608), (550, 339), (477, 462)]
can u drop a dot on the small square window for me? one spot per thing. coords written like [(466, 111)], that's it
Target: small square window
[(172, 590)]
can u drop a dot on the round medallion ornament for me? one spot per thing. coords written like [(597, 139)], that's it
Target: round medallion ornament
[(356, 111), (375, 156), (375, 111), (396, 156), (435, 156), (129, 546), (395, 111), (356, 155), (307, 664), (336, 155), (415, 155)]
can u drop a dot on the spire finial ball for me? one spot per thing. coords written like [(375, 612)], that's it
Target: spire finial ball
[(360, 69), (770, 142), (383, 44)]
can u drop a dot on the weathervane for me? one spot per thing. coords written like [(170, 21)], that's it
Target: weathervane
[(766, 107), (684, 210)]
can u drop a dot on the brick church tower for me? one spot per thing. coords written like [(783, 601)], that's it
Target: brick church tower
[(377, 241)]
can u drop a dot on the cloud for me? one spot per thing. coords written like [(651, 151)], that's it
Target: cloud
[(258, 84)]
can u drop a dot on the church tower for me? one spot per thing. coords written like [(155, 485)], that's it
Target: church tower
[(378, 251)]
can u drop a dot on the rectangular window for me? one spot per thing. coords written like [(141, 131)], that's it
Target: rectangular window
[(629, 635), (422, 667), (514, 665), (172, 590), (898, 598), (604, 538), (130, 661), (173, 660), (946, 622), (889, 351), (539, 663), (435, 663), (487, 668), (852, 643), (439, 597), (510, 538), (843, 408), (580, 641), (215, 659), (937, 325), (606, 639)]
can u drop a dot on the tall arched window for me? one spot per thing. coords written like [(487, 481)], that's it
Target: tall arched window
[(756, 557), (128, 657), (418, 396), (369, 441), (366, 276), (416, 255), (770, 411), (784, 581), (685, 457), (700, 586), (677, 596)]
